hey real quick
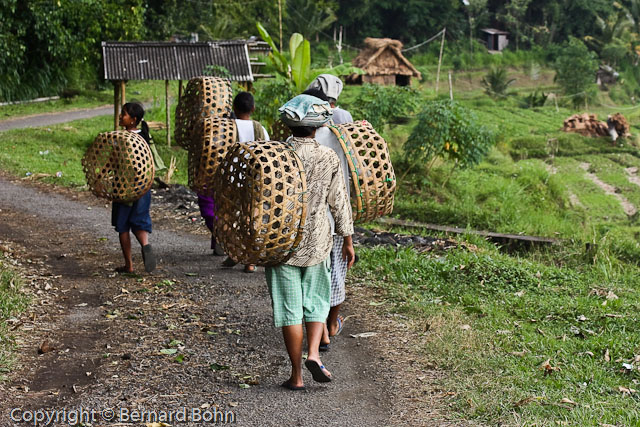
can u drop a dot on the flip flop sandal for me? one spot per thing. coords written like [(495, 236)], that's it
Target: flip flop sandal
[(340, 326), (148, 258), (292, 387), (323, 347), (317, 371)]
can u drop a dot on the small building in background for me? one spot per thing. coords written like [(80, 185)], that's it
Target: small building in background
[(383, 63), (496, 39)]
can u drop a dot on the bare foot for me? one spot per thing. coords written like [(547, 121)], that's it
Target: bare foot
[(124, 269)]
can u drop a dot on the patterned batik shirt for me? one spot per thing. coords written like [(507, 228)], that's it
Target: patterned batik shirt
[(325, 187)]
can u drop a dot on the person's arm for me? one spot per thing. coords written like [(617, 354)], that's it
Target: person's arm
[(340, 207), (348, 252)]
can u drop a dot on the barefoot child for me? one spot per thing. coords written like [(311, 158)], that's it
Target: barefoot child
[(300, 288), (126, 217)]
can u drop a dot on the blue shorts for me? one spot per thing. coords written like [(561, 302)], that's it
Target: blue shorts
[(135, 217)]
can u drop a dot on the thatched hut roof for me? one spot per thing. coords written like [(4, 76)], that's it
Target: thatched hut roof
[(384, 57)]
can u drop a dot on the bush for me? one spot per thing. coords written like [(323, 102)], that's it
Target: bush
[(270, 95), (575, 71), (446, 129), (380, 105)]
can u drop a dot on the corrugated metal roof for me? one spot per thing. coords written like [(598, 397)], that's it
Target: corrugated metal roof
[(493, 31), (174, 61)]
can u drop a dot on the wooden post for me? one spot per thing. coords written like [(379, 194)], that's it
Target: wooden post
[(444, 31), (339, 45), (166, 97), (280, 20), (179, 90), (123, 92), (450, 87), (116, 104)]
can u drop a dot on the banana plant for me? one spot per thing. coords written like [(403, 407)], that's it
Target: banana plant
[(299, 70)]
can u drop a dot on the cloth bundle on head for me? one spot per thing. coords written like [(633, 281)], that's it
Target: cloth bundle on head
[(329, 84), (305, 110)]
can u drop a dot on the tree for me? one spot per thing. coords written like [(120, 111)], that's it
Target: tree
[(476, 9), (513, 17), (575, 71), (310, 17)]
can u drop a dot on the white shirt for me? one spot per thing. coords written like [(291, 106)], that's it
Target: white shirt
[(245, 131), (341, 116)]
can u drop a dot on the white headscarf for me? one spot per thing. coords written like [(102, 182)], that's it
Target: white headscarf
[(329, 84)]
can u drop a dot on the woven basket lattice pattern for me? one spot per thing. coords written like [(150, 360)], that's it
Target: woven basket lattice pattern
[(212, 138), (119, 166), (280, 131), (203, 97), (259, 189), (372, 177)]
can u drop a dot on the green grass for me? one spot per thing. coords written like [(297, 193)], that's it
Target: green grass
[(43, 152), (519, 314), (150, 90), (12, 302)]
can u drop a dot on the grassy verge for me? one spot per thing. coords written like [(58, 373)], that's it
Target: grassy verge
[(43, 152), (136, 90), (491, 321), (12, 302)]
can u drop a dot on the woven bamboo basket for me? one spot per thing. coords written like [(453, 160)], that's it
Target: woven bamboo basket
[(373, 180), (280, 131), (203, 97), (259, 189), (119, 166), (212, 138)]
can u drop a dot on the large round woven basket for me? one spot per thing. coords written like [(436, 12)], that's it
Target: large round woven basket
[(119, 166), (372, 177), (203, 97), (211, 139), (280, 131), (259, 189)]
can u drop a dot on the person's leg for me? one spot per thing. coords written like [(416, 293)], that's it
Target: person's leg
[(207, 211), (285, 290), (125, 244), (140, 221), (293, 336), (332, 320), (142, 236), (316, 293), (338, 277)]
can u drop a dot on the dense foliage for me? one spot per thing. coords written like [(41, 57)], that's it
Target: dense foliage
[(381, 105), (449, 130), (575, 68), (56, 44)]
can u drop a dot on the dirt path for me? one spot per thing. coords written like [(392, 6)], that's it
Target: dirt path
[(627, 206), (48, 119), (108, 331)]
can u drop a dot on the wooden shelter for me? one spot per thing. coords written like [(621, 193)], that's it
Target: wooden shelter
[(383, 63), (167, 61), (496, 39)]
